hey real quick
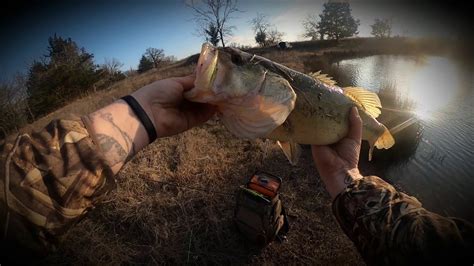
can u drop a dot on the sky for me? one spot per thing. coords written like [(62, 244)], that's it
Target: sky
[(123, 29)]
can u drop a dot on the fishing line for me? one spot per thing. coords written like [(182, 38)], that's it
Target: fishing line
[(193, 188)]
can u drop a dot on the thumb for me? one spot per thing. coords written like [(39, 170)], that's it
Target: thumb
[(187, 81), (355, 127)]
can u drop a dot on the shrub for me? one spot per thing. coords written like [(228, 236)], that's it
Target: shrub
[(64, 74)]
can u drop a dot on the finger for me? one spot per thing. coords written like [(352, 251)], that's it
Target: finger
[(187, 81), (198, 113), (355, 129)]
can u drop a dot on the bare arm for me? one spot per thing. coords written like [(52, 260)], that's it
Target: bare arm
[(120, 134)]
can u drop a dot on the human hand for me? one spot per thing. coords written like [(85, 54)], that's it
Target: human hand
[(168, 110), (337, 163)]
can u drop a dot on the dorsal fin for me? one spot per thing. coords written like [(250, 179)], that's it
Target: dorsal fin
[(364, 99), (324, 78)]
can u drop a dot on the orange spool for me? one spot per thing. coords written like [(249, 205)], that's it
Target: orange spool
[(265, 184)]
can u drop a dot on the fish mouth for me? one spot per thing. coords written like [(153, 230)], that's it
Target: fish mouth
[(206, 71)]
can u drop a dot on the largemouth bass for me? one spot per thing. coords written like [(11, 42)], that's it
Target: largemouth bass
[(258, 98)]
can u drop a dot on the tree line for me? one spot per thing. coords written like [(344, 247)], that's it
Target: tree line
[(335, 22), (154, 58), (64, 73), (68, 71)]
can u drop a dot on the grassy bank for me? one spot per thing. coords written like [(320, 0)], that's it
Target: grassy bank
[(311, 55)]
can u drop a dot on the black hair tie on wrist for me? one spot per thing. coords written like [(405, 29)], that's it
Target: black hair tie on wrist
[(141, 114)]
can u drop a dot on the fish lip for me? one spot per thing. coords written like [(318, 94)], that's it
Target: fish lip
[(204, 59), (203, 83)]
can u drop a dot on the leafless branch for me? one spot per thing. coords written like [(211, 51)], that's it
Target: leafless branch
[(217, 12), (112, 66)]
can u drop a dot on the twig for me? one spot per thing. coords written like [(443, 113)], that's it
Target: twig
[(189, 246)]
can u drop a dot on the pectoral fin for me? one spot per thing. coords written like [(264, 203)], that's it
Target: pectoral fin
[(291, 149)]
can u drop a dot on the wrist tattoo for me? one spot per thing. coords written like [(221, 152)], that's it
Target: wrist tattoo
[(115, 152), (128, 141)]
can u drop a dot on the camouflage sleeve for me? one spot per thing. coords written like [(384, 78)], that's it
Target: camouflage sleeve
[(391, 228), (49, 180)]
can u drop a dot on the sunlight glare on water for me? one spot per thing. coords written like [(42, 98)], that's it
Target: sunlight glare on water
[(431, 83), (434, 86), (436, 165)]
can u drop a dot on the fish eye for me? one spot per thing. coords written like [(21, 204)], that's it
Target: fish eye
[(236, 59)]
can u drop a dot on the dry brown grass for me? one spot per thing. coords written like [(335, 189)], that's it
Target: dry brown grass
[(174, 205), (174, 201)]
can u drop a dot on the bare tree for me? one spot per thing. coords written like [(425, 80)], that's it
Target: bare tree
[(170, 59), (310, 25), (265, 33), (112, 66), (260, 23), (260, 26), (216, 12), (274, 36), (155, 55)]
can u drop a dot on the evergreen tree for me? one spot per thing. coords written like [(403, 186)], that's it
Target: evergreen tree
[(63, 74), (212, 34), (144, 65), (337, 21), (66, 52), (261, 38)]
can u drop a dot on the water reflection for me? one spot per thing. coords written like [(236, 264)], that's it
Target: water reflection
[(433, 96), (406, 128)]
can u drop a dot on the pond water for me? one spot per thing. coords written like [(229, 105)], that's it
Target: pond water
[(434, 160)]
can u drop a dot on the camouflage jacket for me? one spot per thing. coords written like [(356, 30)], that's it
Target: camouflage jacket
[(51, 178)]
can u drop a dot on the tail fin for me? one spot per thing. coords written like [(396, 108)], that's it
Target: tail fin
[(385, 141)]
